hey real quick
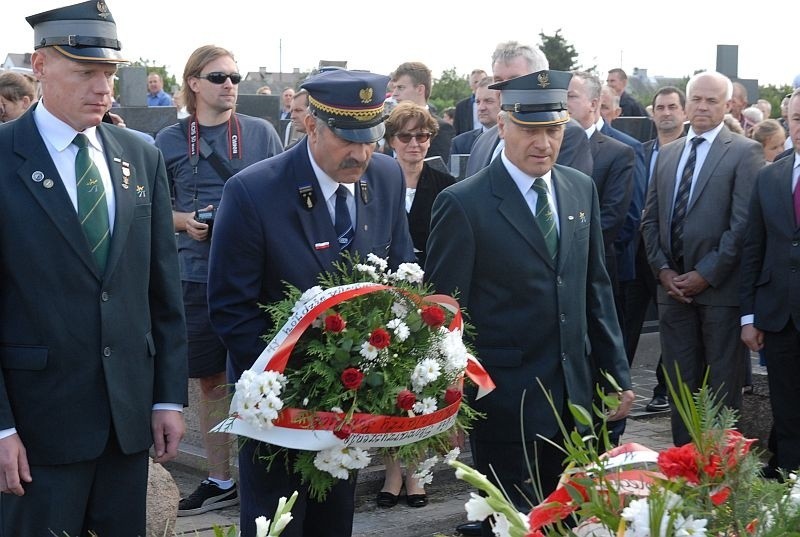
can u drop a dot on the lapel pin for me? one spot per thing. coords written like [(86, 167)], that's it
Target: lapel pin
[(364, 192), (140, 191), (37, 176), (308, 198), (116, 159), (48, 183), (322, 245), (570, 217), (582, 216)]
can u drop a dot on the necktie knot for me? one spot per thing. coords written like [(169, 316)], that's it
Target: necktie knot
[(81, 141), (697, 140), (341, 192), (540, 186)]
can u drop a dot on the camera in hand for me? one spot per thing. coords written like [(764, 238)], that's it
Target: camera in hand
[(206, 217)]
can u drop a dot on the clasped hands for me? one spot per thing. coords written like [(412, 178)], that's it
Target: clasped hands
[(682, 287)]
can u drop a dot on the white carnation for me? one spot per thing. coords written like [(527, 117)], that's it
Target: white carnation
[(400, 329), (454, 352), (399, 310), (378, 262), (410, 272), (426, 406), (426, 371), (369, 270)]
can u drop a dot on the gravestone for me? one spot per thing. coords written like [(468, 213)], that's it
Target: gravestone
[(641, 128), (264, 106), (149, 120), (132, 86)]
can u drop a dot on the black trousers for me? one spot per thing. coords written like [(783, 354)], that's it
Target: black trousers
[(105, 497), (783, 367)]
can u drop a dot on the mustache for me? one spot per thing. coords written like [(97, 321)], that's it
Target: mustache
[(350, 163)]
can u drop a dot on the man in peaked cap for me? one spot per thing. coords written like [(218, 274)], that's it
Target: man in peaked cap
[(277, 223), (521, 242), (93, 349)]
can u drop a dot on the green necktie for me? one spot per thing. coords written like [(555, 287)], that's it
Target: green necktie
[(92, 206), (544, 216)]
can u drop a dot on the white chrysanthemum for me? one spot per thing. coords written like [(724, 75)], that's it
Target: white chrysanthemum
[(369, 270), (257, 400), (409, 272), (305, 297), (337, 409), (262, 526), (689, 527), (426, 371), (338, 461), (454, 352), (368, 351), (400, 329), (452, 455), (477, 507), (378, 262), (426, 406), (399, 310)]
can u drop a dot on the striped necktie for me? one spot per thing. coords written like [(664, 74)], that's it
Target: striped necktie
[(92, 206), (682, 200), (544, 216), (343, 224)]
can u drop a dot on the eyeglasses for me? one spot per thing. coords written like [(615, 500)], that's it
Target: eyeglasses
[(420, 137), (220, 78)]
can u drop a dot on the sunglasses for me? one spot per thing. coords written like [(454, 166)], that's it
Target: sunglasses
[(220, 78), (420, 137)]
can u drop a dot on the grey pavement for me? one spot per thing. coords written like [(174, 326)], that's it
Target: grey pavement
[(447, 495)]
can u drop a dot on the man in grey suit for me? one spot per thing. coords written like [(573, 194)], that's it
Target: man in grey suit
[(521, 245), (93, 349), (512, 60), (693, 225)]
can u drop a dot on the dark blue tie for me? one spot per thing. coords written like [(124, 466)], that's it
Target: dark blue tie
[(343, 225), (682, 200)]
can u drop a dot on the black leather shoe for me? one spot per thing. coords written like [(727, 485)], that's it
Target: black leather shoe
[(387, 499), (470, 528), (417, 500), (658, 403)]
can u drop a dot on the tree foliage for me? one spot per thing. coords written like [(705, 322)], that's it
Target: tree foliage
[(561, 55), (774, 94), (449, 89)]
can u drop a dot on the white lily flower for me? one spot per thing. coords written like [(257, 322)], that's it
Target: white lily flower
[(477, 507)]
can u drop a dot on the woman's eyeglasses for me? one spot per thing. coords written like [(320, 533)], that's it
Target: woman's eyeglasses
[(420, 137), (220, 78)]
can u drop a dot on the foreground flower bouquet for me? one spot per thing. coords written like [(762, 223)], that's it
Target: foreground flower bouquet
[(366, 359), (710, 486)]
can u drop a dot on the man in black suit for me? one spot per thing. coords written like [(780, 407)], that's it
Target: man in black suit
[(693, 225), (618, 81), (770, 302), (276, 224), (467, 109), (488, 102), (93, 347), (512, 60), (521, 243), (413, 82)]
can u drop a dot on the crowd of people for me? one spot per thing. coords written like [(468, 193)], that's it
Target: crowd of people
[(154, 257)]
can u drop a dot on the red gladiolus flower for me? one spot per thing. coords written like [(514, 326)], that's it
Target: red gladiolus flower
[(713, 467), (719, 497), (343, 432), (452, 395), (736, 447), (433, 316), (334, 323), (752, 526), (406, 399), (680, 462), (352, 378), (379, 338)]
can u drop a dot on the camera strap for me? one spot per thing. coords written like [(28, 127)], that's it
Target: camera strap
[(198, 147)]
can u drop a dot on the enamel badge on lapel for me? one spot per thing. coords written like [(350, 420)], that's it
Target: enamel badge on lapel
[(37, 176), (582, 216), (364, 191), (307, 196), (48, 183), (140, 191)]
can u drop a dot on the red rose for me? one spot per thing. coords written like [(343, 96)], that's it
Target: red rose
[(343, 432), (406, 399), (379, 338), (433, 316), (334, 323), (352, 378), (680, 462), (452, 395)]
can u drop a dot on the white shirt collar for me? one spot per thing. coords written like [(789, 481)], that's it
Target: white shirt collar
[(326, 183), (58, 133), (524, 181), (591, 130), (709, 136), (600, 123)]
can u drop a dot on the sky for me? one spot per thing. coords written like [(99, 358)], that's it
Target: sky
[(672, 39)]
